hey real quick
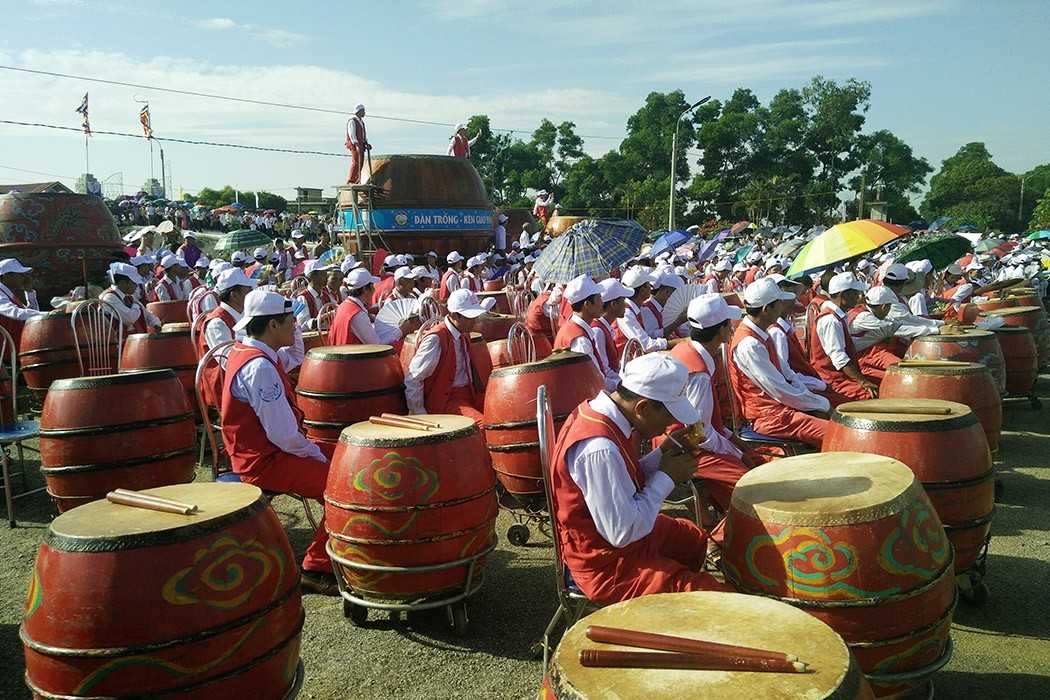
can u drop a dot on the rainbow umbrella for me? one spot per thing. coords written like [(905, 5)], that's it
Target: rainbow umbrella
[(842, 242)]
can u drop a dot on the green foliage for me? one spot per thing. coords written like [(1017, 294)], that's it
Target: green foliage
[(972, 189), (219, 198), (1041, 213)]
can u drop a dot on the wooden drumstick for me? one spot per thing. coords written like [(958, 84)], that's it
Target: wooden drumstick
[(607, 658), (376, 420), (411, 419), (137, 501), (687, 645), (906, 410), (155, 499)]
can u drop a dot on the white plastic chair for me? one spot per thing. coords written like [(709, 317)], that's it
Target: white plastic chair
[(631, 350), (201, 301), (98, 332), (520, 346), (325, 316)]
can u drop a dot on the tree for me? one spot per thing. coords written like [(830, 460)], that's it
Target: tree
[(889, 171), (1036, 181), (1041, 214), (972, 189), (835, 118)]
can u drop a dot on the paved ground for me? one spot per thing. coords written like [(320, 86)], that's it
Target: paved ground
[(1002, 649)]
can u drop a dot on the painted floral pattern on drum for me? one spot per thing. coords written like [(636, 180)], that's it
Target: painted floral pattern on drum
[(919, 547), (34, 596), (394, 477), (225, 574)]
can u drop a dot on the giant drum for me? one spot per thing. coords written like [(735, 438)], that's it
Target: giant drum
[(174, 311), (127, 602), (852, 539), (510, 413), (170, 348), (969, 383), (400, 497), (1021, 358), (724, 618), (132, 430), (480, 359), (997, 303), (47, 352), (343, 384), (1026, 297), (948, 454), (50, 231), (558, 224), (494, 326), (1034, 319), (971, 345)]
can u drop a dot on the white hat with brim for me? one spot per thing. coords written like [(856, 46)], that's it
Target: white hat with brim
[(879, 296), (613, 290), (635, 277), (897, 273), (165, 227), (137, 260), (125, 270), (660, 377), (465, 303), (453, 257), (360, 277), (421, 271), (298, 234), (233, 277), (169, 261), (844, 281), (764, 291), (708, 310), (312, 266), (260, 302), (202, 262), (404, 272), (9, 265), (580, 289), (189, 234)]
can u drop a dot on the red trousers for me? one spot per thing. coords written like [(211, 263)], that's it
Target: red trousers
[(354, 177), (876, 360), (305, 477), (720, 474), (787, 423), (842, 390), (461, 402), (667, 560)]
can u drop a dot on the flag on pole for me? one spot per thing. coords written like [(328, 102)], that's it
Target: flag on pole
[(147, 128), (83, 110)]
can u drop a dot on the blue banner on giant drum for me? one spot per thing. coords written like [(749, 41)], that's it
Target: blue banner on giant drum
[(424, 219)]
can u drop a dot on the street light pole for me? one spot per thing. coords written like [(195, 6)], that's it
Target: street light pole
[(1020, 205), (674, 159)]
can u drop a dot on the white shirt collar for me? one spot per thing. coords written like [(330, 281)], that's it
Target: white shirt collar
[(785, 324), (455, 331), (603, 404), (231, 311), (829, 304), (709, 361), (654, 302), (754, 326), (605, 322), (580, 322), (632, 306), (260, 345)]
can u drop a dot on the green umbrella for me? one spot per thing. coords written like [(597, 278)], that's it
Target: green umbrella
[(1039, 235), (241, 240), (983, 246), (941, 249)]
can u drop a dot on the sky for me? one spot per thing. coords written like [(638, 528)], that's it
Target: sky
[(943, 73)]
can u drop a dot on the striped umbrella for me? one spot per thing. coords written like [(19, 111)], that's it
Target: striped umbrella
[(842, 242), (592, 247), (242, 240)]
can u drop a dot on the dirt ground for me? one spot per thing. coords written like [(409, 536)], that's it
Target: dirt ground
[(1002, 649)]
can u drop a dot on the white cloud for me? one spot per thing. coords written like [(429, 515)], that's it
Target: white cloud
[(279, 38), (217, 23)]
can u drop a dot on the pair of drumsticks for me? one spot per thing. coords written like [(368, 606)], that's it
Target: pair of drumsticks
[(393, 420), (671, 652)]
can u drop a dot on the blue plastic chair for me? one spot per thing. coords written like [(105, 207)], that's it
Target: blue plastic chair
[(14, 433)]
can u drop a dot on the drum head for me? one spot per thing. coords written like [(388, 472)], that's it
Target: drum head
[(899, 411), (349, 352), (1014, 311), (728, 618), (175, 328), (943, 336), (102, 520), (452, 427), (831, 488), (951, 367), (557, 359)]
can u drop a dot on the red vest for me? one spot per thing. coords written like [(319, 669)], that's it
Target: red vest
[(750, 396), (570, 331), (694, 362), (583, 549), (611, 351), (443, 290), (536, 319), (13, 325), (212, 374), (618, 336), (797, 359), (341, 332), (655, 312), (438, 386), (383, 287), (460, 146), (358, 125), (818, 358), (243, 435), (812, 310), (311, 302)]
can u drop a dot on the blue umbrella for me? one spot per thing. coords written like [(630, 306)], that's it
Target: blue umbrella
[(1041, 235), (709, 248), (669, 240), (592, 247)]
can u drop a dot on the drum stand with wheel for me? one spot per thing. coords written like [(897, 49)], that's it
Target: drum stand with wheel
[(971, 583), (355, 607), (1034, 401), (524, 509)]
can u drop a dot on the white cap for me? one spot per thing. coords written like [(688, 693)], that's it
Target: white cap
[(165, 227), (920, 267), (709, 310), (777, 277), (764, 291), (259, 254), (355, 279), (502, 218), (863, 264), (169, 261), (419, 272), (461, 126), (202, 262), (580, 289), (432, 253), (974, 264), (844, 281), (348, 264), (635, 277), (724, 265), (125, 270), (233, 277), (238, 256), (954, 269), (298, 234), (877, 296), (613, 290), (896, 273), (740, 267), (260, 302), (668, 278), (137, 260), (465, 303), (476, 260), (660, 377), (312, 266), (403, 272), (220, 267), (359, 108), (453, 257), (189, 234)]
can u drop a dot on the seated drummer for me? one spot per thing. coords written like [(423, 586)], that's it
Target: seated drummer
[(262, 428), (441, 376), (120, 297), (615, 542), (773, 405), (13, 310), (831, 349), (352, 324), (578, 334), (873, 332), (794, 362)]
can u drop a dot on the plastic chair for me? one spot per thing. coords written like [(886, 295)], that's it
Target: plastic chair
[(196, 328), (631, 350), (201, 301), (95, 328), (572, 603), (554, 316), (220, 352), (520, 346), (325, 316), (13, 432), (429, 308), (299, 284)]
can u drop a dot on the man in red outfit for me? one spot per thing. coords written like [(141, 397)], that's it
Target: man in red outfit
[(831, 349), (356, 143), (615, 542), (262, 428)]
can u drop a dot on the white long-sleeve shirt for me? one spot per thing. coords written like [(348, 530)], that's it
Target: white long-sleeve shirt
[(259, 385), (699, 391), (612, 374), (216, 332), (868, 330), (304, 319), (581, 345), (654, 328), (181, 289), (631, 326), (366, 332), (909, 325), (425, 362), (751, 358), (778, 332), (919, 304), (129, 315), (11, 310), (830, 335), (622, 514)]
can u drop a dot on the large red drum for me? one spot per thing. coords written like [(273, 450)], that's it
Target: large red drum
[(400, 497), (966, 346), (479, 357), (970, 384), (127, 602), (493, 285), (174, 311), (343, 384), (725, 618), (47, 352), (1034, 319), (948, 454), (502, 303), (1021, 358), (170, 348), (499, 355), (510, 413), (494, 326), (993, 304), (132, 430), (852, 539), (1026, 297)]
